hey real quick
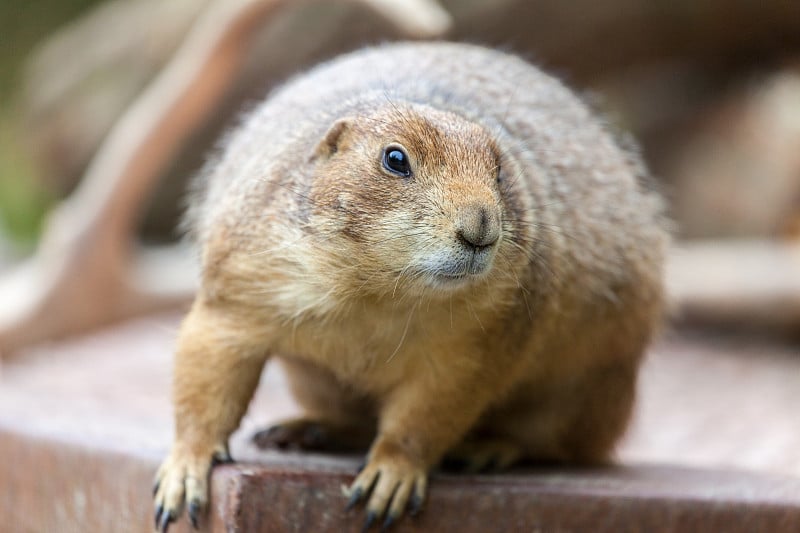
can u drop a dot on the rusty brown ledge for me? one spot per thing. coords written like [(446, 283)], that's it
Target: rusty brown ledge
[(610, 500), (52, 485)]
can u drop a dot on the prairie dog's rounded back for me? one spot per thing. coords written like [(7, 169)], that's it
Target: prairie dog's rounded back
[(567, 192)]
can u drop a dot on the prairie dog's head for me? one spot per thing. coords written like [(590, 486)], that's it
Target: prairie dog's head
[(411, 198)]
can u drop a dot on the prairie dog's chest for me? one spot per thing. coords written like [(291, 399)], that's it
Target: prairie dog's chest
[(370, 349)]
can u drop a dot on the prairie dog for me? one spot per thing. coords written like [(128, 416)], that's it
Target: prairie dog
[(450, 254)]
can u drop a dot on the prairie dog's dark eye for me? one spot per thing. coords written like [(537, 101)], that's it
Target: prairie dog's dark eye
[(395, 160)]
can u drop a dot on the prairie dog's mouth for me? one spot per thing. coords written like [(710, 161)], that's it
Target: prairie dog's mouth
[(451, 277), (457, 271)]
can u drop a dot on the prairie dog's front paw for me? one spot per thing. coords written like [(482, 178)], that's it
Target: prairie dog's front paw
[(389, 482), (183, 478)]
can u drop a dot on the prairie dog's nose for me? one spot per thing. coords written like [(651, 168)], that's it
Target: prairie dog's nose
[(478, 225)]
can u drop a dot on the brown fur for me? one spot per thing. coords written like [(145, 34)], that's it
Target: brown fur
[(313, 252)]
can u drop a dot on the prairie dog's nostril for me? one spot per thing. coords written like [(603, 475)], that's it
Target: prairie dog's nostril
[(470, 241), (477, 226)]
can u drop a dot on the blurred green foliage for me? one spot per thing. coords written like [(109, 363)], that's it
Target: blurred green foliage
[(23, 201), (23, 24)]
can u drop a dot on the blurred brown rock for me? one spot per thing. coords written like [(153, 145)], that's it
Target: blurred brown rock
[(737, 285), (588, 40), (736, 173)]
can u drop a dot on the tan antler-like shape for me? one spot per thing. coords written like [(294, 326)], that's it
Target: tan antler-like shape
[(86, 271)]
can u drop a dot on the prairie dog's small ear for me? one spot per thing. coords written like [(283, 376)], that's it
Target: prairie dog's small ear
[(333, 139)]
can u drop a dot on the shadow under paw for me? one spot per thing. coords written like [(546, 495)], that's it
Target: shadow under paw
[(311, 435), (481, 456)]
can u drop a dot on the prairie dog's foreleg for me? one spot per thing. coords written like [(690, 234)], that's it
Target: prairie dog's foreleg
[(418, 423), (218, 363)]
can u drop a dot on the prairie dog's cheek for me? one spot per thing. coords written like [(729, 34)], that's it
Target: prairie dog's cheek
[(345, 218), (397, 235), (330, 203)]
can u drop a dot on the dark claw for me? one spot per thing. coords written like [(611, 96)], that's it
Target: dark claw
[(354, 498), (155, 487), (166, 519), (415, 505), (371, 517), (388, 523), (194, 514), (361, 466), (159, 510), (221, 459)]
